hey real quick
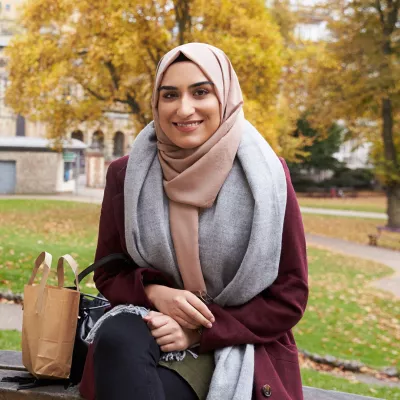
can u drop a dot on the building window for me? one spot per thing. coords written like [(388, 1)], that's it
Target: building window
[(98, 141), (77, 135), (20, 128), (118, 148), (8, 7)]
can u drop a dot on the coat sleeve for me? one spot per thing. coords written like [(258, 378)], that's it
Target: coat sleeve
[(277, 309), (118, 283)]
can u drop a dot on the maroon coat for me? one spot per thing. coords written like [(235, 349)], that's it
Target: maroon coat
[(265, 321)]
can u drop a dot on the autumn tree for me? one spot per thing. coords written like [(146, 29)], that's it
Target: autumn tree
[(80, 61), (291, 83), (320, 154), (357, 81)]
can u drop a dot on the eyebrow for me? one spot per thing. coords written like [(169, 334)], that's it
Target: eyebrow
[(191, 86)]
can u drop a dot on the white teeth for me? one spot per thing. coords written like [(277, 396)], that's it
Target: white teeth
[(186, 125)]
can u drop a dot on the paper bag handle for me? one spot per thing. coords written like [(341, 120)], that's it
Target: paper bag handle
[(44, 259), (60, 269)]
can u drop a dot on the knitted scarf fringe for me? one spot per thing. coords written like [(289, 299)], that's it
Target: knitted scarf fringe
[(136, 310)]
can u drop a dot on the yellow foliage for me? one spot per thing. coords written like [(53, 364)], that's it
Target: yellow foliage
[(76, 61), (356, 71)]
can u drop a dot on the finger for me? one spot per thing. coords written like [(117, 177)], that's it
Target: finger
[(188, 325), (171, 347), (200, 306), (187, 318), (157, 321), (192, 312), (165, 330), (165, 340)]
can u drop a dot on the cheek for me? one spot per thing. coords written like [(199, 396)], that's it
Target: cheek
[(213, 111), (162, 112), (164, 115)]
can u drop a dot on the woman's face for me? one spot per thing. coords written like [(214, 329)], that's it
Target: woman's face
[(188, 107)]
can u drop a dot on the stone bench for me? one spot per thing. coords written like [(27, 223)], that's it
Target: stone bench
[(11, 365)]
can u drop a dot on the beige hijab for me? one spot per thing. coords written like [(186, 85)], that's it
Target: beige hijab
[(193, 177)]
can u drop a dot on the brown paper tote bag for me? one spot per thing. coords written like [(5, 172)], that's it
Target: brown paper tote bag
[(49, 321)]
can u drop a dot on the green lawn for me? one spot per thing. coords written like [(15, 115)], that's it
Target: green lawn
[(327, 381), (10, 340), (29, 227), (345, 317)]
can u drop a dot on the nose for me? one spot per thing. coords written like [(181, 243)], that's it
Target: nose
[(185, 108)]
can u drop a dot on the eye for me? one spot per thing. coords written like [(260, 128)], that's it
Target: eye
[(169, 95), (201, 92)]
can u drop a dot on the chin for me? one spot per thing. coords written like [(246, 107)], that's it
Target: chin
[(186, 141), (188, 144)]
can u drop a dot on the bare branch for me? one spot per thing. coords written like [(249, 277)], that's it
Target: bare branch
[(113, 73), (117, 111), (182, 13), (151, 55), (379, 8), (393, 16), (133, 104), (94, 94), (135, 107)]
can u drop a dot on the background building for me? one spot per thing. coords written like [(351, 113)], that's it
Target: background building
[(29, 165), (113, 140)]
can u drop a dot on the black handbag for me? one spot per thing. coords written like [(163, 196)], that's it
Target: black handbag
[(91, 309)]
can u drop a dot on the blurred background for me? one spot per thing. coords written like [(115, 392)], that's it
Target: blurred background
[(321, 83)]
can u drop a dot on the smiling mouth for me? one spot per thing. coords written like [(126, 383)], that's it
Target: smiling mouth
[(187, 124)]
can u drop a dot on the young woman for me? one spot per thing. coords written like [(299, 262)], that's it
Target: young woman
[(207, 212)]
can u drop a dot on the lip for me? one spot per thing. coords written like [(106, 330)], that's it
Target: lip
[(187, 128)]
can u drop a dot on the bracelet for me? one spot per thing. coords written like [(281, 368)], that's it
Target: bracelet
[(204, 297)]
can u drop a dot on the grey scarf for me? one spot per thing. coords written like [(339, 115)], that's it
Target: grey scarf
[(240, 239)]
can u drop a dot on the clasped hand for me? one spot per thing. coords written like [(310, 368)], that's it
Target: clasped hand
[(181, 313), (181, 305), (169, 335)]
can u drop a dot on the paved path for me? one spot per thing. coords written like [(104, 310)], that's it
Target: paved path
[(343, 213), (85, 195), (10, 316), (389, 258)]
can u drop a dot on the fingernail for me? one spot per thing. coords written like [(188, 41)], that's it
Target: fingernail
[(212, 319), (209, 325)]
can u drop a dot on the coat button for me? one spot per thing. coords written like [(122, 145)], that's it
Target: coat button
[(266, 391)]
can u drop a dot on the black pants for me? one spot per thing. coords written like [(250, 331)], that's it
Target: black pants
[(125, 364)]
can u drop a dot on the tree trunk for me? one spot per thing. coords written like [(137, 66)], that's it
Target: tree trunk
[(393, 191), (183, 19), (389, 18), (387, 131), (136, 110), (393, 209)]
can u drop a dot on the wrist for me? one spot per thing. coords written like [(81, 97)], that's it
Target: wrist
[(150, 292), (194, 337)]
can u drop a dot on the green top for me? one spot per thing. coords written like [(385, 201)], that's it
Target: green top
[(197, 372)]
